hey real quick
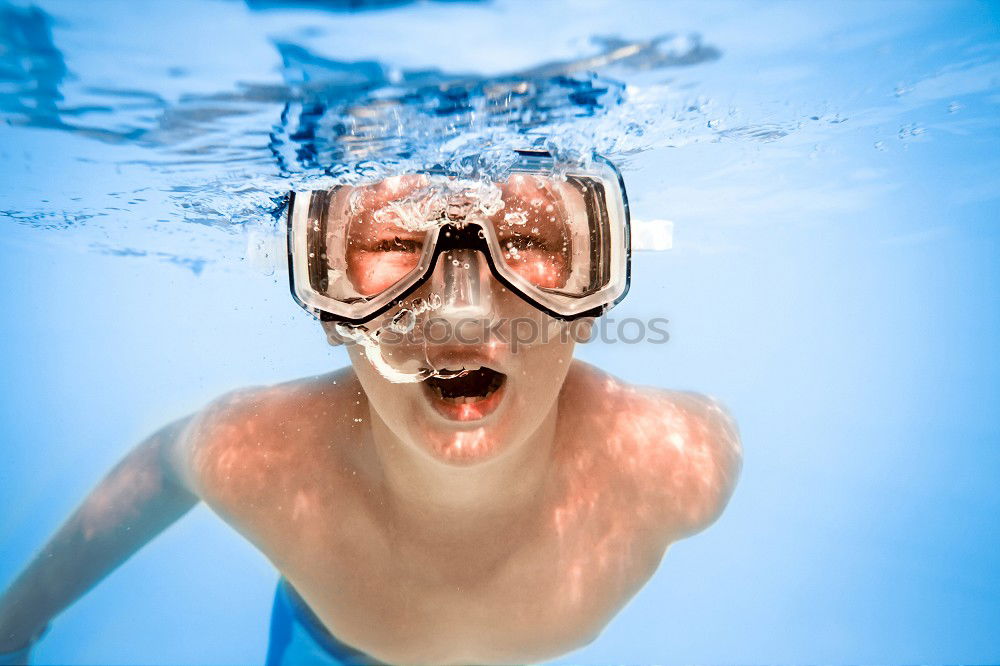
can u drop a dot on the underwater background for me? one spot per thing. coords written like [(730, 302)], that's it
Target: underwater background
[(815, 191)]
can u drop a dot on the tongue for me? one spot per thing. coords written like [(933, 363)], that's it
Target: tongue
[(470, 384)]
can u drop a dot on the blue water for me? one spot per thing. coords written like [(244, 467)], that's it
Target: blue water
[(830, 172)]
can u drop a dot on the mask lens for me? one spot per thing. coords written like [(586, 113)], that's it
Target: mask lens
[(534, 231), (367, 242), (550, 232), (383, 239)]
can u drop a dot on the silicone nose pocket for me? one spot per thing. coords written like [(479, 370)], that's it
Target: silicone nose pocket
[(462, 280)]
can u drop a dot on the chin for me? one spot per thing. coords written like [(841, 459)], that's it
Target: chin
[(462, 443), (461, 430), (466, 447)]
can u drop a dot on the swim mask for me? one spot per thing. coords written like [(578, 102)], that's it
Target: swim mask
[(556, 237)]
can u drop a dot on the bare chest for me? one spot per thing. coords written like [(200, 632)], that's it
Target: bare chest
[(407, 602)]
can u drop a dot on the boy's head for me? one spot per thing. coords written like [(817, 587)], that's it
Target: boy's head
[(461, 300)]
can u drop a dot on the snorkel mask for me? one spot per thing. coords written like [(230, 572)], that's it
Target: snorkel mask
[(556, 237)]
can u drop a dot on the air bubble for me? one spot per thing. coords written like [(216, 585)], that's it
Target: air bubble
[(404, 321), (516, 218)]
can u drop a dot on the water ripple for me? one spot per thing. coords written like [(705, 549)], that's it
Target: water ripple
[(208, 152)]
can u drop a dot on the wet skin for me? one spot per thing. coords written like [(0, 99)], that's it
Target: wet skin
[(413, 558)]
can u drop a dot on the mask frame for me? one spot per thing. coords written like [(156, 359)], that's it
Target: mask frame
[(480, 237)]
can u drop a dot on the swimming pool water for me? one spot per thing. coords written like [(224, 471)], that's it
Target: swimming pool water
[(829, 175)]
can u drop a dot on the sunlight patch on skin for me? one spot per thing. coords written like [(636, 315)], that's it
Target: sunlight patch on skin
[(258, 462), (302, 506), (602, 549), (107, 507), (465, 444), (677, 440), (673, 452), (575, 583), (240, 455)]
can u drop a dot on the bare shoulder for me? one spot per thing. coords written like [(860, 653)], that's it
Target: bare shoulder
[(681, 450), (255, 443)]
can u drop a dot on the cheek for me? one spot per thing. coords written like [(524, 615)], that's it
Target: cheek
[(549, 349), (544, 367)]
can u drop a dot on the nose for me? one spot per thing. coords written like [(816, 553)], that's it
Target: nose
[(463, 281)]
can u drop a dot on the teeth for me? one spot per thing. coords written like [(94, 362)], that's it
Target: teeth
[(460, 370), (460, 400), (467, 399)]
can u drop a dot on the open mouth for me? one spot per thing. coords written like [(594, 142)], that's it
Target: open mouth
[(466, 394)]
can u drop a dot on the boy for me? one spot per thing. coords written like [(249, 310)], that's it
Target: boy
[(465, 492)]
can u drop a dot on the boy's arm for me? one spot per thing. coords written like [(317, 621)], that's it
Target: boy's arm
[(137, 500)]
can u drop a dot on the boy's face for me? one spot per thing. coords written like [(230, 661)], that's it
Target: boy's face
[(516, 358), (499, 362)]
